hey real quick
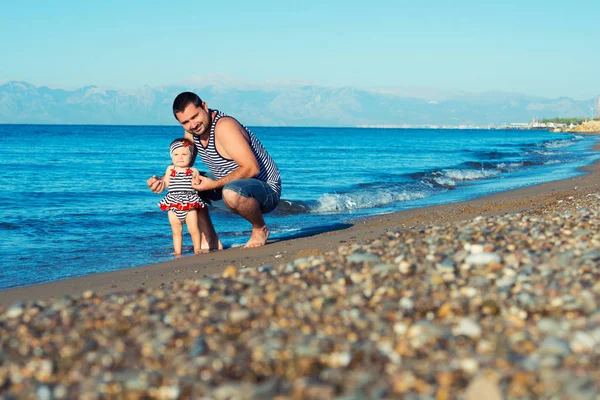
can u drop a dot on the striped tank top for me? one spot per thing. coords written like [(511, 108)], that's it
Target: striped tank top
[(221, 167)]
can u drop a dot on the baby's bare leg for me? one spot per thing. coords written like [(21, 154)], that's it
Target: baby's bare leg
[(191, 220), (177, 228)]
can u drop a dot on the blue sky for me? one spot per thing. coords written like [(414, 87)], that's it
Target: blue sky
[(547, 48)]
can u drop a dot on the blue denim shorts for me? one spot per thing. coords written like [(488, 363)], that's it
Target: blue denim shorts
[(249, 188)]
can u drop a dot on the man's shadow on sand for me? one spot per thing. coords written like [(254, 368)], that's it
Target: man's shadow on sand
[(308, 232)]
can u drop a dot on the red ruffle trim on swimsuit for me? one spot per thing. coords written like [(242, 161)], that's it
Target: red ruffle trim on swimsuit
[(181, 207)]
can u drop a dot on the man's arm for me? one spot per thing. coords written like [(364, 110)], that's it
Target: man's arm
[(232, 143)]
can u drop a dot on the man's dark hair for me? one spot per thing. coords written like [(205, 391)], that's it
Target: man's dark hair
[(185, 99)]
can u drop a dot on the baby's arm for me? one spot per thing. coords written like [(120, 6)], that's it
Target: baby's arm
[(167, 177)]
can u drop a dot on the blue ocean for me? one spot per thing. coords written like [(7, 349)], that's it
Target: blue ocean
[(74, 199)]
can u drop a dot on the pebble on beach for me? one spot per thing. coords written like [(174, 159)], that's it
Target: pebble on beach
[(506, 306)]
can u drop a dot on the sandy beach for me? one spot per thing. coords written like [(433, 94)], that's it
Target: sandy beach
[(497, 295)]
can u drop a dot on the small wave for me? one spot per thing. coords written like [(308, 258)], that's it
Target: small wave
[(288, 207), (448, 178), (361, 200), (544, 152), (469, 174), (557, 144), (444, 181), (510, 167)]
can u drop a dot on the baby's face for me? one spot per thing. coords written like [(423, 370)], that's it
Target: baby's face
[(181, 157)]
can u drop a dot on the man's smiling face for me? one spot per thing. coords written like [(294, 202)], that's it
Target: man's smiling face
[(194, 120)]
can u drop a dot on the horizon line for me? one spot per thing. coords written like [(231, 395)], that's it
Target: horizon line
[(438, 93)]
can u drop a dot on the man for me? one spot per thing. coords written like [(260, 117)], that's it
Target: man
[(246, 177)]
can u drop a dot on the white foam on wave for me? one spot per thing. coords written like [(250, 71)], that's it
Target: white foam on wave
[(444, 181), (545, 152), (469, 174), (359, 200), (510, 167), (557, 144)]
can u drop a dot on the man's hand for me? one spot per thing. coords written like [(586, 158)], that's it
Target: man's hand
[(157, 185), (201, 183)]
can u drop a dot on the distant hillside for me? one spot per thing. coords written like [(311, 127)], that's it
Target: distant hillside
[(587, 127), (285, 105)]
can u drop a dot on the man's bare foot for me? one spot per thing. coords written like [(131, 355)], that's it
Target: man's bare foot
[(258, 238)]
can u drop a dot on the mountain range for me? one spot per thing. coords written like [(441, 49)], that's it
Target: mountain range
[(278, 104)]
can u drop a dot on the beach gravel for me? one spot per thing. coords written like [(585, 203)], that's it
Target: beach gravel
[(500, 307)]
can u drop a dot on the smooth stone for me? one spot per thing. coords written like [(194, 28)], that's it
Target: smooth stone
[(60, 392), (384, 268), (244, 391), (481, 388), (532, 362), (44, 393), (470, 292), (200, 347), (582, 342), (476, 249), (15, 311), (363, 258), (469, 365), (137, 384), (468, 327), (448, 263), (550, 361), (525, 299), (490, 307), (548, 326), (577, 388), (505, 282), (341, 359), (265, 268), (582, 232), (169, 392), (400, 328), (407, 304), (482, 258), (239, 315), (555, 346), (591, 255)]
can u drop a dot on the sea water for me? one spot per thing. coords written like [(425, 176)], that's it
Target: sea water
[(74, 200)]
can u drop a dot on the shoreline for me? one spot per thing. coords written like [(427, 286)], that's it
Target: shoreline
[(286, 250)]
